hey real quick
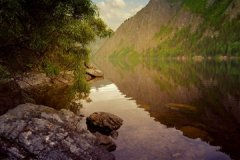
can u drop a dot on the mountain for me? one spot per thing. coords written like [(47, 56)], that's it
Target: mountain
[(96, 45), (179, 27)]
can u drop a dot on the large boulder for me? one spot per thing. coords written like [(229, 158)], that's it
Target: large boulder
[(31, 79), (38, 132), (104, 122)]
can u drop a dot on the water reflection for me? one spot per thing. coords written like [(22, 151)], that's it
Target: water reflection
[(141, 137), (201, 99)]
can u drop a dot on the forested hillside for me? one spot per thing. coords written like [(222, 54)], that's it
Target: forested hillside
[(179, 28)]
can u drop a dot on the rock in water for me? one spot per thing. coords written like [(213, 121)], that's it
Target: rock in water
[(94, 72), (38, 132), (104, 122)]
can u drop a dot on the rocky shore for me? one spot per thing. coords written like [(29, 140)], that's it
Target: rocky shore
[(32, 131), (40, 132)]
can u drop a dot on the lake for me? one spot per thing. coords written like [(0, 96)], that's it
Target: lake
[(172, 109)]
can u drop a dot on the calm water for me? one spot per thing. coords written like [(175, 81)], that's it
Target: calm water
[(172, 109)]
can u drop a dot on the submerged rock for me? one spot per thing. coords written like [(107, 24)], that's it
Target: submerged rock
[(38, 132), (104, 122)]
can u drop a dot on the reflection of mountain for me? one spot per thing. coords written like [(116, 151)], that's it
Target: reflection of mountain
[(174, 27), (191, 97)]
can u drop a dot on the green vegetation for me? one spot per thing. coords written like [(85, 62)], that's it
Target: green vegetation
[(50, 69), (164, 31), (227, 42), (216, 34), (214, 14), (80, 81), (204, 42), (197, 6), (55, 34)]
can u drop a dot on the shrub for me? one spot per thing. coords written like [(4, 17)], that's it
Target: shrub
[(50, 69)]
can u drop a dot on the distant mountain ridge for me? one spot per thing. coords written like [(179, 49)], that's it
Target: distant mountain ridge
[(171, 27)]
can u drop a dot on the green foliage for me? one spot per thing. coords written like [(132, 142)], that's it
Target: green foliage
[(205, 41), (173, 44), (50, 69), (40, 24), (197, 6), (215, 35), (227, 42), (214, 14), (57, 32), (80, 83), (164, 31)]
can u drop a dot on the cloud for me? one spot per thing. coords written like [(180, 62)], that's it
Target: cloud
[(114, 4), (117, 3), (114, 12)]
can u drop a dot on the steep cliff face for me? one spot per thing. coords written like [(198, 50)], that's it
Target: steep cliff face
[(139, 30), (158, 25)]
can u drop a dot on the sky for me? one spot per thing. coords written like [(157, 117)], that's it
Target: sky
[(115, 12)]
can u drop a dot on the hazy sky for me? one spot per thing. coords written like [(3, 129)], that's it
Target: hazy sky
[(114, 12)]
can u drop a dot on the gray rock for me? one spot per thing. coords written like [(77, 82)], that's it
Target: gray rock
[(38, 132), (28, 80), (105, 122), (94, 72)]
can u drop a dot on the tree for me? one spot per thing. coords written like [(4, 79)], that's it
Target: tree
[(42, 26)]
